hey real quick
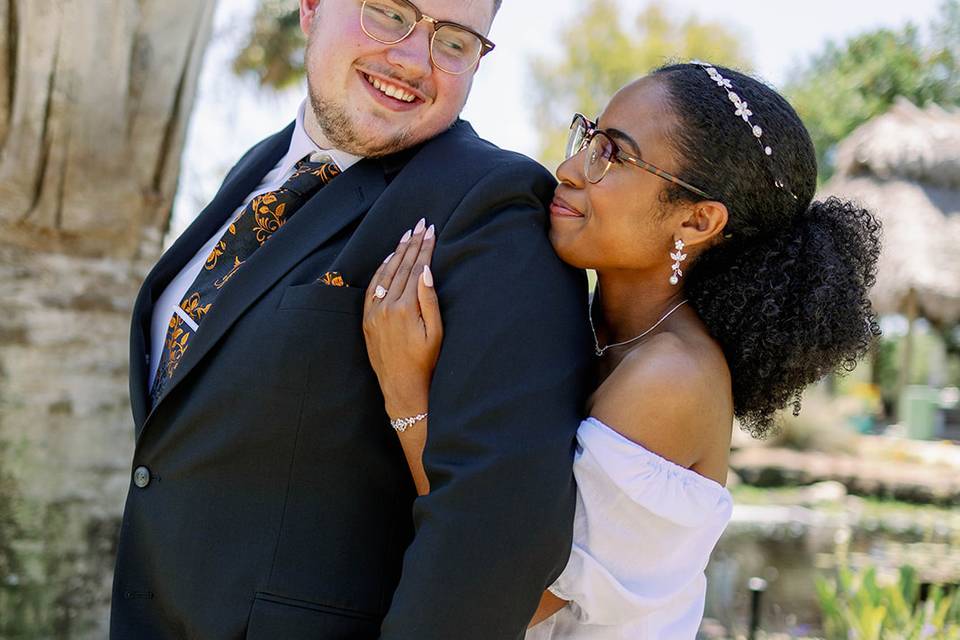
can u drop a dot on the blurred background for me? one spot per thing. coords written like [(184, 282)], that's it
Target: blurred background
[(119, 118)]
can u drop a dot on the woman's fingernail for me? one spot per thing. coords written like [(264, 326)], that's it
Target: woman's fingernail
[(427, 276), (430, 232), (387, 259), (406, 237), (420, 226)]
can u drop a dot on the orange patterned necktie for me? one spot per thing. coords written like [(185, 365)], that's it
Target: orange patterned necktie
[(253, 226)]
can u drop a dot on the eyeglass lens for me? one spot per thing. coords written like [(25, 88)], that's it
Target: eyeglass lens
[(600, 150), (578, 133), (453, 49), (600, 154)]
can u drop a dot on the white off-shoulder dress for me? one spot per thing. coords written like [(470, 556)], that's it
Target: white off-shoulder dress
[(643, 533)]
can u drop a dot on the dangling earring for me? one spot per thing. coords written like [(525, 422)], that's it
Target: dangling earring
[(677, 258)]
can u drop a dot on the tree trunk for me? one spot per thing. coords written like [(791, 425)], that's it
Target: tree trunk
[(906, 355), (94, 101)]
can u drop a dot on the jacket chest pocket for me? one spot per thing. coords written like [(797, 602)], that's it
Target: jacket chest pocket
[(316, 330), (315, 296)]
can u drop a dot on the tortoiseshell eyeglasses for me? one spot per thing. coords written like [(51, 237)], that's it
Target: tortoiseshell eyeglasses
[(454, 48), (603, 152)]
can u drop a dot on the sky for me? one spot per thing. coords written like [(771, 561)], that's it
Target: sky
[(232, 114)]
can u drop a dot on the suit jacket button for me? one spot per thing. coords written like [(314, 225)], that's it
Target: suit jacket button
[(141, 477)]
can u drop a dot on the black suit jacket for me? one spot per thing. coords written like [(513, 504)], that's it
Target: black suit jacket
[(279, 505)]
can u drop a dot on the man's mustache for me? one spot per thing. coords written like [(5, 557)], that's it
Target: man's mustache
[(392, 74)]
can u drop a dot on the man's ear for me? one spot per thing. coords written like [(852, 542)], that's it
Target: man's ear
[(704, 223), (308, 13)]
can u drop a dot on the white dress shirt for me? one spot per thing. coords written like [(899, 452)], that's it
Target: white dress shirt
[(301, 145), (642, 536)]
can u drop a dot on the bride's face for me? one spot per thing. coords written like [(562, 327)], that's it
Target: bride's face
[(621, 222)]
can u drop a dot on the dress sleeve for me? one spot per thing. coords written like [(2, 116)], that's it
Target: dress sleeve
[(644, 529)]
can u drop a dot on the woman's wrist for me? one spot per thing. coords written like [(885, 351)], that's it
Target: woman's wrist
[(396, 412), (407, 403)]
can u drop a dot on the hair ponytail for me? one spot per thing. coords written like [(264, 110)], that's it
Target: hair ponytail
[(790, 307)]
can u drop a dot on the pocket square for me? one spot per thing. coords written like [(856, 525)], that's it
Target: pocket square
[(333, 279)]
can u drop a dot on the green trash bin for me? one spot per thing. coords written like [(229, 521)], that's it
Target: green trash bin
[(918, 409)]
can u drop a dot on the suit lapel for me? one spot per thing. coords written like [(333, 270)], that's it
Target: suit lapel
[(238, 184), (335, 207)]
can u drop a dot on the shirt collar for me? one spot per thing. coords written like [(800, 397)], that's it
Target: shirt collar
[(302, 145)]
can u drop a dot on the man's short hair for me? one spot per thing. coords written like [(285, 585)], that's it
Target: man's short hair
[(496, 6)]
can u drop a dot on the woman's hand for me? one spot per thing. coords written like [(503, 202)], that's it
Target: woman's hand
[(403, 331)]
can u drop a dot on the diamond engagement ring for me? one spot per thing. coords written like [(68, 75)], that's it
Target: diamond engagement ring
[(380, 293)]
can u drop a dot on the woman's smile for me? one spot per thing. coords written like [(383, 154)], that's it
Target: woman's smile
[(562, 209)]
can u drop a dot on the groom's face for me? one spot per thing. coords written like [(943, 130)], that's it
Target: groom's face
[(343, 63)]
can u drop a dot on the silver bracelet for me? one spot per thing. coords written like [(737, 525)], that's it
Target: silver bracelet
[(402, 424)]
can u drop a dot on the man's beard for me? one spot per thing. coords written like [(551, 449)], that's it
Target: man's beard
[(345, 136)]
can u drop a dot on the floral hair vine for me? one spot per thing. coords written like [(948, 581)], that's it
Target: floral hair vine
[(741, 110)]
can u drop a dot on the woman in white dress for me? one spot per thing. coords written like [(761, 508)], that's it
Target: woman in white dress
[(723, 290)]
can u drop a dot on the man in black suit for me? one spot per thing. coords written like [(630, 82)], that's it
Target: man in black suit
[(269, 497)]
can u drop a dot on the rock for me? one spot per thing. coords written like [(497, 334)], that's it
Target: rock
[(821, 492), (867, 475)]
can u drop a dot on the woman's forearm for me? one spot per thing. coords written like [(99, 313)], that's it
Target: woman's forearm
[(413, 440), (549, 605), (403, 403)]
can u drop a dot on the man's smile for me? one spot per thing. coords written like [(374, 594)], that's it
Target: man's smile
[(390, 93)]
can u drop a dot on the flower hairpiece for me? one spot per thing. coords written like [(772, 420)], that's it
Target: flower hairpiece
[(741, 110)]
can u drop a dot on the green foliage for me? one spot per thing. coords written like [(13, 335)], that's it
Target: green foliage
[(856, 605), (601, 54), (845, 85), (274, 48)]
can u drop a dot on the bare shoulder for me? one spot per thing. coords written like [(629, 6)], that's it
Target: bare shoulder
[(672, 396)]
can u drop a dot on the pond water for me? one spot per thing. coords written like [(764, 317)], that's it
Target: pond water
[(790, 546)]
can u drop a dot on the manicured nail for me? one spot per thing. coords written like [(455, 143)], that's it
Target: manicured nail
[(427, 276), (406, 237), (420, 226), (429, 234), (387, 259)]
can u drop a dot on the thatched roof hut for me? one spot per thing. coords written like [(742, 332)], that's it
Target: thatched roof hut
[(905, 166)]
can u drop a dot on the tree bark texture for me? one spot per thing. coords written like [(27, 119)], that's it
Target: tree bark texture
[(94, 101)]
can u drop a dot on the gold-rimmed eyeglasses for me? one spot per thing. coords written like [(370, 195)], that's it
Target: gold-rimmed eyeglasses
[(603, 152), (454, 48)]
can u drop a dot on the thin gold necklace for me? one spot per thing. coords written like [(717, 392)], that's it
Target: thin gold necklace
[(599, 351)]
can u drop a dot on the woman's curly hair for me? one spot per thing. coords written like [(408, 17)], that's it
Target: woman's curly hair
[(785, 292)]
